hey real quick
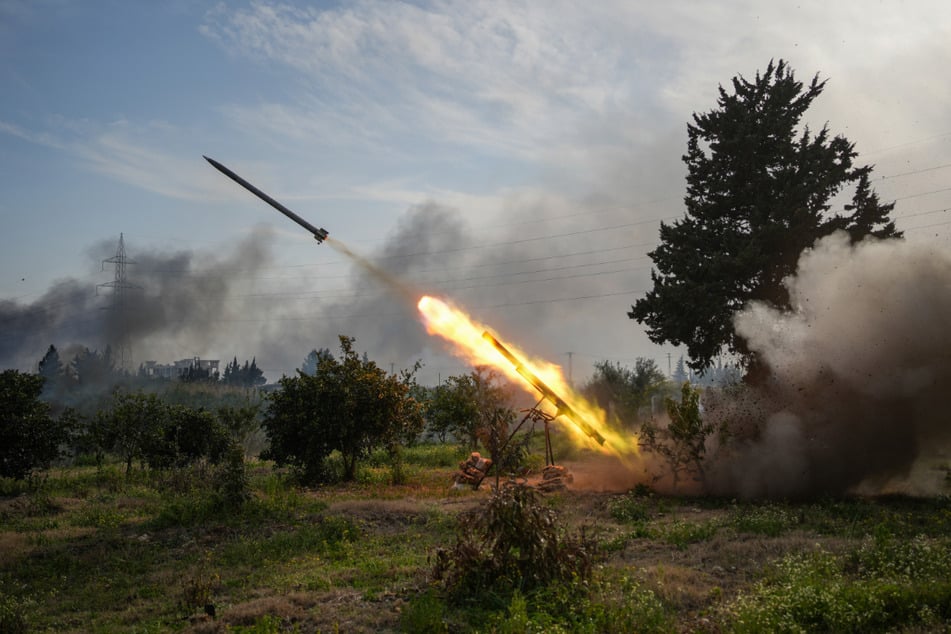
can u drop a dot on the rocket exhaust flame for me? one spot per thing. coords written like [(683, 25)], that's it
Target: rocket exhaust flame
[(562, 407), (478, 346)]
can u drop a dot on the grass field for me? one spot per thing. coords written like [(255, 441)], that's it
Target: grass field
[(87, 550)]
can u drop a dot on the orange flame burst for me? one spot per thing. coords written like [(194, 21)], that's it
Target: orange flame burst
[(465, 335)]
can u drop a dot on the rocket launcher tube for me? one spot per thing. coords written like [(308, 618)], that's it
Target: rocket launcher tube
[(560, 405)]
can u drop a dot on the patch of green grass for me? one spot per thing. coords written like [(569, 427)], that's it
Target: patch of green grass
[(600, 607), (147, 539), (330, 536), (14, 613), (880, 587), (630, 508), (425, 614), (771, 520), (681, 534), (187, 510), (900, 516), (266, 624)]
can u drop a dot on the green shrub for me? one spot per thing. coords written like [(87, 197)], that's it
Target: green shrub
[(187, 510), (232, 482), (199, 586), (880, 587), (681, 534), (424, 614), (629, 508), (30, 438), (13, 614), (682, 443), (436, 455), (511, 543)]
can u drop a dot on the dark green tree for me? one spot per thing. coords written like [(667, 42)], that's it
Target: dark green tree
[(240, 421), (30, 438), (187, 435), (313, 360), (197, 374), (94, 369), (248, 375), (232, 483), (132, 427), (623, 389), (452, 409), (52, 370), (350, 405), (493, 398), (759, 192), (680, 372)]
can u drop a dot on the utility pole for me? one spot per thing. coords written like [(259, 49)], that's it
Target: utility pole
[(122, 347), (571, 383), (670, 373)]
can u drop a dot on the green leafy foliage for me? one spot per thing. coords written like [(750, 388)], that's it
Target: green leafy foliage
[(139, 426), (14, 614), (247, 375), (630, 507), (186, 436), (682, 443), (30, 438), (885, 585), (313, 359), (469, 406), (512, 543), (759, 192), (624, 390), (350, 405), (232, 483), (763, 519), (131, 427), (452, 409)]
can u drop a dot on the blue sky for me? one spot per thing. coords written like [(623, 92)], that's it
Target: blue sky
[(519, 154)]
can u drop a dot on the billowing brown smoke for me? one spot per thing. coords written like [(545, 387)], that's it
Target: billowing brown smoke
[(861, 373)]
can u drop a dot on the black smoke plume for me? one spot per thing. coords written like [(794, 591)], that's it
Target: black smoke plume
[(176, 305)]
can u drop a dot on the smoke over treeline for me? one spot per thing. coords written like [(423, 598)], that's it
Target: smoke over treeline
[(242, 302), (176, 305), (861, 373)]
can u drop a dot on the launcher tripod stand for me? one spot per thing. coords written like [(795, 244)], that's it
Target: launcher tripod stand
[(554, 477)]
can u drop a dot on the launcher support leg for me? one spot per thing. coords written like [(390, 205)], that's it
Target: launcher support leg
[(549, 453)]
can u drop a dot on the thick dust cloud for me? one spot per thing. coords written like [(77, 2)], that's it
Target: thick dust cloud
[(861, 372)]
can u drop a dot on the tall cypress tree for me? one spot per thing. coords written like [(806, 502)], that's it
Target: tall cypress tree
[(759, 192)]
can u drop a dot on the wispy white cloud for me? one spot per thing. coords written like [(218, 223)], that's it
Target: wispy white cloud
[(520, 79), (39, 138), (128, 155), (500, 78), (131, 154)]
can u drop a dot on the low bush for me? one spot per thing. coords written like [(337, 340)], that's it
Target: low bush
[(511, 543), (768, 519), (629, 508)]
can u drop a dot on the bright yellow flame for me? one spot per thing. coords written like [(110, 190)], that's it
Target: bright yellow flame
[(465, 335)]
